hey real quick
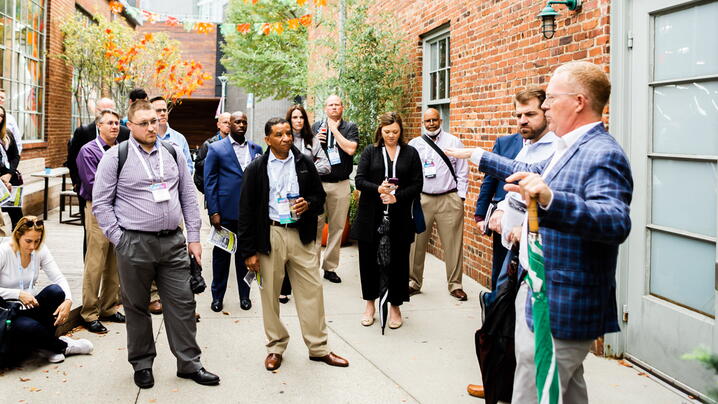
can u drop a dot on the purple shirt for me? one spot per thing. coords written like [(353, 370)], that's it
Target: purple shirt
[(127, 202), (87, 161)]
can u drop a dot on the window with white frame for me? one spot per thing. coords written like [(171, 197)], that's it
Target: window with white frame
[(437, 73), (22, 63)]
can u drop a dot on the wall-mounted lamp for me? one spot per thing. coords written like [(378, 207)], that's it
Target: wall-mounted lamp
[(548, 16)]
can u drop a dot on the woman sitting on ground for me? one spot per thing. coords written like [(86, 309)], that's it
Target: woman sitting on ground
[(21, 260)]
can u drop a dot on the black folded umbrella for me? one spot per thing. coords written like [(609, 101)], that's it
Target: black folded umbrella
[(196, 281), (383, 260), (495, 340)]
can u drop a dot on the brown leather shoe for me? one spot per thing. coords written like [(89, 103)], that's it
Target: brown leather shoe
[(475, 390), (273, 361), (331, 360), (459, 294), (155, 307), (413, 291)]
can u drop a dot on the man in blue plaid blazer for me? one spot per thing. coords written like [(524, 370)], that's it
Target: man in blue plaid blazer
[(584, 191)]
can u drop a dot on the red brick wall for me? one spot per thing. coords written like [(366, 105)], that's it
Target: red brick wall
[(58, 94), (200, 47), (496, 50)]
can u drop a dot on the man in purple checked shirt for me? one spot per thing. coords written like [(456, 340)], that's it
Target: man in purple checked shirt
[(100, 261), (140, 209)]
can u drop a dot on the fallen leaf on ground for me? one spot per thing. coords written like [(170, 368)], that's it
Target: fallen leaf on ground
[(226, 313), (174, 390), (236, 321), (34, 389), (642, 374), (45, 371), (153, 400), (24, 379), (624, 363)]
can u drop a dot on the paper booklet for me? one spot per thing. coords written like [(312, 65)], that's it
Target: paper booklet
[(223, 239), (251, 276), (10, 199)]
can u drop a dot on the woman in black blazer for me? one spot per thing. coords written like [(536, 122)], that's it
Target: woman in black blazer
[(389, 157), (9, 160)]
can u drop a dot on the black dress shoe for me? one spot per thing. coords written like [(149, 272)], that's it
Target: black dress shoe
[(96, 327), (283, 299), (216, 306), (115, 318), (332, 277), (201, 377), (245, 304), (144, 378)]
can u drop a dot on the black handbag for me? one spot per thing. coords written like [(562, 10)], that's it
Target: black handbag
[(8, 313), (16, 178)]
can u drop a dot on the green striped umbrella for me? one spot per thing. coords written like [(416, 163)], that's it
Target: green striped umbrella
[(547, 383)]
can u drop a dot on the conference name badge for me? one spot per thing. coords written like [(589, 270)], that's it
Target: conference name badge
[(334, 157), (160, 192), (429, 169), (285, 214)]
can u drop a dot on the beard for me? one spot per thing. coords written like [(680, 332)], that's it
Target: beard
[(530, 133)]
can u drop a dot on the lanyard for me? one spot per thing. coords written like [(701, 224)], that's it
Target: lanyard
[(150, 174), (32, 266), (386, 164), (102, 149)]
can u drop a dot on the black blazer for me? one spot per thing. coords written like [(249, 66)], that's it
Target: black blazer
[(253, 228), (370, 174), (83, 135), (13, 154)]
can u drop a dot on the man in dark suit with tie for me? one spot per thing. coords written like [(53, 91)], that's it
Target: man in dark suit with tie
[(85, 134), (584, 193), (223, 174), (492, 192)]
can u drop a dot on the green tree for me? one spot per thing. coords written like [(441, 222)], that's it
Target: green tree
[(270, 66), (370, 70)]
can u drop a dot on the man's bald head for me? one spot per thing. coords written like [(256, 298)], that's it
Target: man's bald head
[(223, 123), (432, 120), (238, 124), (334, 107)]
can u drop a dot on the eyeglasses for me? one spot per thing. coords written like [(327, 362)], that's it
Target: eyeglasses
[(550, 98), (145, 124), (111, 123), (30, 223)]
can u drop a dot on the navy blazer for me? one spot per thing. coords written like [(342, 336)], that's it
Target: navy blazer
[(581, 230), (223, 178), (492, 188)]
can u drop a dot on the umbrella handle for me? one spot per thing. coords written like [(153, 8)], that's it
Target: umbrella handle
[(533, 216)]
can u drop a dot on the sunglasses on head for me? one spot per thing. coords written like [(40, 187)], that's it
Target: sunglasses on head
[(34, 223)]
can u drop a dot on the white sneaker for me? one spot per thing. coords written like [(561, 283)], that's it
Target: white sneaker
[(77, 346), (51, 357)]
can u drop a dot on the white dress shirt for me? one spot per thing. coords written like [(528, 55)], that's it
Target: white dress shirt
[(241, 150), (282, 181), (530, 153), (443, 181)]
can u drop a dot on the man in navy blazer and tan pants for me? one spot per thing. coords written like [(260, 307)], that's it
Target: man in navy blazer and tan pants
[(583, 191), (223, 174)]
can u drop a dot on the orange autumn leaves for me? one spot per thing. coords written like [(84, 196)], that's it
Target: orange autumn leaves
[(146, 60)]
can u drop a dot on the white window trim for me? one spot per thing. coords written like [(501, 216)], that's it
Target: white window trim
[(426, 80)]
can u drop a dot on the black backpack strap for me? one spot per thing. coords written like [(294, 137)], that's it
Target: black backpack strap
[(442, 155), (123, 149)]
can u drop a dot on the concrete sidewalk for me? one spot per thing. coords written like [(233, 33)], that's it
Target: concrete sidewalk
[(430, 359)]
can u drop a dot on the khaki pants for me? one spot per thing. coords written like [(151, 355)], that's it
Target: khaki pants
[(100, 282), (336, 209), (301, 267), (448, 213)]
